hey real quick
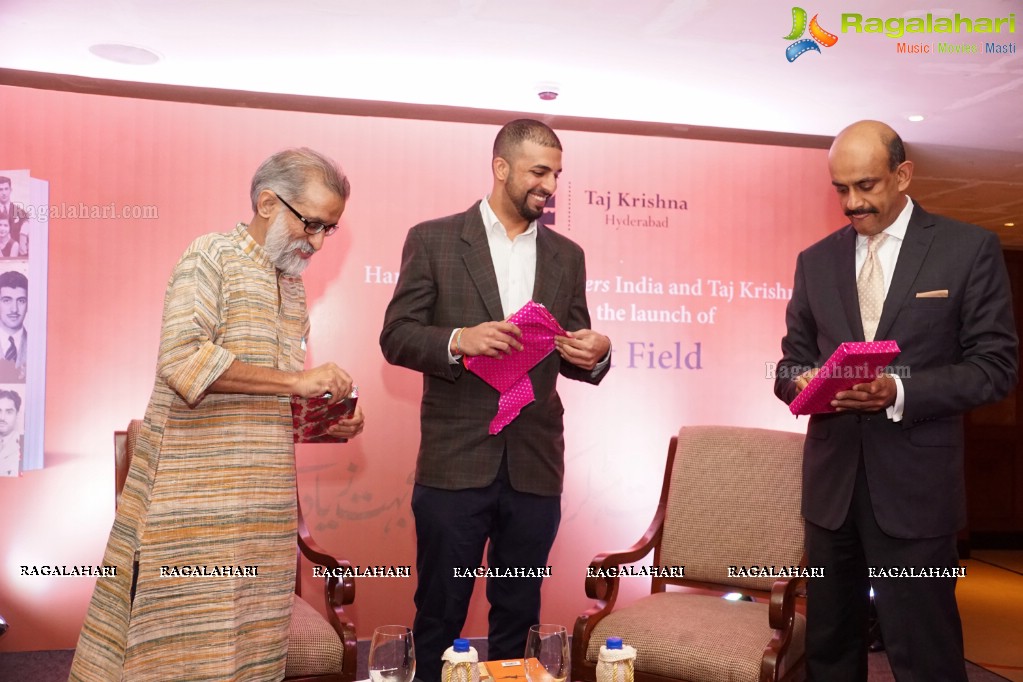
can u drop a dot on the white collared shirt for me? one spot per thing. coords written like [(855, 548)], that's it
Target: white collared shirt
[(888, 252), (888, 255), (514, 259), (515, 267), (514, 264)]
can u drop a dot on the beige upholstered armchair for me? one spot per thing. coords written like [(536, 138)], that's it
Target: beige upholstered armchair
[(319, 650), (730, 498)]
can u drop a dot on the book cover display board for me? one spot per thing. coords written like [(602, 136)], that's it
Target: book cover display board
[(24, 226)]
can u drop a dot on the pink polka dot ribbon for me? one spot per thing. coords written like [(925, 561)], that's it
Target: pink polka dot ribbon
[(509, 374)]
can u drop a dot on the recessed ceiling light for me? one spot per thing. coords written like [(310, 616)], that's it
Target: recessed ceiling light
[(125, 54), (1010, 224), (915, 118)]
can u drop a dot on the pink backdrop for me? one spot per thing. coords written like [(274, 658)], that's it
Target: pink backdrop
[(748, 211)]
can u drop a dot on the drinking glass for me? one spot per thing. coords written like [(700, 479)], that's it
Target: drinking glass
[(392, 654), (546, 656)]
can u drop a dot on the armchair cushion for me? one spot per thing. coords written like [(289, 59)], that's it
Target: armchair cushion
[(734, 502), (313, 646), (713, 640)]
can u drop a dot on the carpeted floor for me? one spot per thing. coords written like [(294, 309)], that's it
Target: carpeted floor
[(1008, 559), (990, 601)]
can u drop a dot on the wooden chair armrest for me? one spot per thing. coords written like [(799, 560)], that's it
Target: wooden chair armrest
[(603, 587), (339, 585), (338, 590), (783, 601), (781, 617)]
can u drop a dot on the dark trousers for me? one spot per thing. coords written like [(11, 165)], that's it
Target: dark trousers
[(452, 527), (918, 616)]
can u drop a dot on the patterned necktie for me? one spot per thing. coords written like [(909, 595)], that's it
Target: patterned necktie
[(870, 286), (12, 351)]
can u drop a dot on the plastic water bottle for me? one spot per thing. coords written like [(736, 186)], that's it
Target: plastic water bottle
[(461, 663), (615, 661)]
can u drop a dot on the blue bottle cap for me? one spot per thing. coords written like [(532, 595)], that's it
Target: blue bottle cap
[(614, 642), (461, 646)]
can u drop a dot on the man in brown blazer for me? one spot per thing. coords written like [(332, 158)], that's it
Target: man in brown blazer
[(461, 277)]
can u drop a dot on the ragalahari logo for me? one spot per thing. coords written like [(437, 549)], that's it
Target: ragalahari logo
[(817, 35)]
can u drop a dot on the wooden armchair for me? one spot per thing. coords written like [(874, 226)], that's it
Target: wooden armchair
[(730, 498), (319, 650)]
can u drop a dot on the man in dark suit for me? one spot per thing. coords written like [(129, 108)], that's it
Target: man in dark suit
[(14, 214), (883, 489), (460, 278)]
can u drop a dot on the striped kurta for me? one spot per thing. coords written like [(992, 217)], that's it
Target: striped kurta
[(212, 484)]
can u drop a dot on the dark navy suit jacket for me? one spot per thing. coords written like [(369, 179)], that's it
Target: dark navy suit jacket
[(959, 351)]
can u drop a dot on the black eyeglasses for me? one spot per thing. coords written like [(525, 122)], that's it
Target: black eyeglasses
[(310, 226)]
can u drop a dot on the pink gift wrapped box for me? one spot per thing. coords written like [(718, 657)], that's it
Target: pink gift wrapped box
[(509, 373), (853, 362)]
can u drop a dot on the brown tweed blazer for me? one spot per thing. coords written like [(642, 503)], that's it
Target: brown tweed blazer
[(447, 280)]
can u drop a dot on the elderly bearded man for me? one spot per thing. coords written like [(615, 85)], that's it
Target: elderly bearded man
[(213, 477)]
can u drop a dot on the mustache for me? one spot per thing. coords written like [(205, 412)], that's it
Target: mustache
[(861, 211)]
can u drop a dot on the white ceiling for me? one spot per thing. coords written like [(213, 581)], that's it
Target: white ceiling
[(681, 63)]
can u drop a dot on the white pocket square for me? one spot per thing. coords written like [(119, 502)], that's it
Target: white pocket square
[(937, 293)]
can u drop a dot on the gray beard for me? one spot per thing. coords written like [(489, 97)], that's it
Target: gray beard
[(281, 252)]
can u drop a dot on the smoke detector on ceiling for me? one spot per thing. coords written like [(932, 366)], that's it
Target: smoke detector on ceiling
[(547, 91)]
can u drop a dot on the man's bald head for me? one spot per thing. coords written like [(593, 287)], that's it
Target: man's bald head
[(870, 172), (875, 132)]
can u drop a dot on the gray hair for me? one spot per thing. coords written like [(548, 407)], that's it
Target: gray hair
[(289, 171)]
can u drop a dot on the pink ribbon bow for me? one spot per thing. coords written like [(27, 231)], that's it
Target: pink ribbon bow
[(509, 374)]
